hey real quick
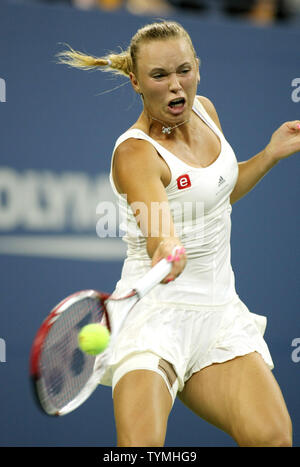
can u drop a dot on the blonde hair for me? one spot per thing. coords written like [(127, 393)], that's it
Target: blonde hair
[(126, 61)]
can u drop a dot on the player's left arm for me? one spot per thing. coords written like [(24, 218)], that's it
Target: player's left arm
[(284, 142)]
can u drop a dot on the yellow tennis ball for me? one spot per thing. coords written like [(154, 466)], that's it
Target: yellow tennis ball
[(93, 338)]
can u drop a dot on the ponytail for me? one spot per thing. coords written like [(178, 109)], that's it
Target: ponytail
[(117, 63)]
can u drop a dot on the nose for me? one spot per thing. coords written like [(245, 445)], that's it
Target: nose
[(174, 82)]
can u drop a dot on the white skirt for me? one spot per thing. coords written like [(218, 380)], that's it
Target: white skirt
[(188, 336)]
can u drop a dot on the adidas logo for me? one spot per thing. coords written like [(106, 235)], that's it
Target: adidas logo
[(221, 181)]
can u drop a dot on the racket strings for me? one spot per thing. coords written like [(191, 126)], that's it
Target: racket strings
[(65, 369)]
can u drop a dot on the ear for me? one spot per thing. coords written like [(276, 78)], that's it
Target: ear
[(134, 82)]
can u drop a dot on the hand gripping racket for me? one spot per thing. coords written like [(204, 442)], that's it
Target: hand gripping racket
[(63, 376)]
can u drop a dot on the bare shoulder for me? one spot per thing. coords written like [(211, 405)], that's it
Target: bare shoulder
[(135, 157), (135, 153), (210, 109)]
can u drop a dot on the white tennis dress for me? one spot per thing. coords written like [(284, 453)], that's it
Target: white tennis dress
[(198, 319)]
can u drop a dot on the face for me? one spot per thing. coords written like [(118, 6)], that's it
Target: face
[(167, 76)]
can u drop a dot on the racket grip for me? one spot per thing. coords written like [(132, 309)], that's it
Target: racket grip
[(153, 277)]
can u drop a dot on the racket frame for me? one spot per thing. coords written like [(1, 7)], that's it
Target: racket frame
[(37, 347)]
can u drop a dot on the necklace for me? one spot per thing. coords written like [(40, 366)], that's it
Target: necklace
[(166, 130)]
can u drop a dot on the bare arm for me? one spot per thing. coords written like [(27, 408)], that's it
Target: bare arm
[(250, 173), (284, 142), (137, 172)]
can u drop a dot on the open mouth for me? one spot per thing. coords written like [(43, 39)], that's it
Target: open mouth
[(177, 103)]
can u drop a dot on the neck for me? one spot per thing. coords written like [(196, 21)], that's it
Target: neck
[(167, 129)]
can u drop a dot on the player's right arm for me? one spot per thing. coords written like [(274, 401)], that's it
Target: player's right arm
[(139, 173)]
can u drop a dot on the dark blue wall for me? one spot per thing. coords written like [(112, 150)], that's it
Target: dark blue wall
[(56, 129)]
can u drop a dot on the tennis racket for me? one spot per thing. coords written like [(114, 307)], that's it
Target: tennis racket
[(63, 376)]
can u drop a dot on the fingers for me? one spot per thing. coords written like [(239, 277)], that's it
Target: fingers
[(172, 250), (178, 258), (294, 125), (176, 254)]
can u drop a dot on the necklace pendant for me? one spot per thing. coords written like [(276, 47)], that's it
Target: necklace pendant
[(166, 130)]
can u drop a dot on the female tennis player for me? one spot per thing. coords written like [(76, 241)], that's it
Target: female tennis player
[(192, 338)]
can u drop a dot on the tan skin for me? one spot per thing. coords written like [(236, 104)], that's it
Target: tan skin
[(240, 396)]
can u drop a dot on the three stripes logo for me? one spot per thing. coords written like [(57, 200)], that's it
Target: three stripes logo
[(221, 181)]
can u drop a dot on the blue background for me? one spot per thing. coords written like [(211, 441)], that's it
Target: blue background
[(55, 120)]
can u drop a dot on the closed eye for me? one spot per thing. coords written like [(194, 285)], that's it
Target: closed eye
[(161, 75), (158, 75), (185, 70)]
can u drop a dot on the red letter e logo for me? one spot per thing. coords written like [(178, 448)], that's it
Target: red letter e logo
[(183, 182)]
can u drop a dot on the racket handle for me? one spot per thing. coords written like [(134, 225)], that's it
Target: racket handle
[(153, 277)]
